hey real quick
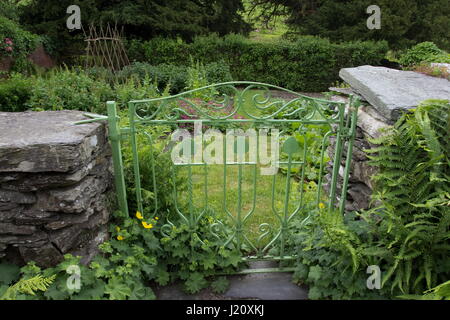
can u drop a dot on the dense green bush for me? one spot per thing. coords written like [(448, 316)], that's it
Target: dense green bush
[(424, 52), (70, 90), (15, 93), (334, 252), (307, 64), (21, 42)]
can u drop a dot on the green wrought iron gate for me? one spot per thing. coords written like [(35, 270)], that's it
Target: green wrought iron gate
[(238, 112)]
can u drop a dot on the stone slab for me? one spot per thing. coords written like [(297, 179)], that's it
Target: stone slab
[(392, 91), (47, 141)]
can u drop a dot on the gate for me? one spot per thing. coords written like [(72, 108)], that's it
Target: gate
[(241, 117)]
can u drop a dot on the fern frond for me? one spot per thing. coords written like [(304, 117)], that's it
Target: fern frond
[(28, 286)]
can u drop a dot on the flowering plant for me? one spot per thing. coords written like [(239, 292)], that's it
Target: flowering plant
[(7, 46)]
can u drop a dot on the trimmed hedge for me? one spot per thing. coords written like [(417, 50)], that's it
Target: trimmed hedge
[(306, 64)]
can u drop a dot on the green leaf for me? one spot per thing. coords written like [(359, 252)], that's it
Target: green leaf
[(220, 285), (195, 282), (117, 290), (8, 273), (290, 146), (162, 277), (315, 273)]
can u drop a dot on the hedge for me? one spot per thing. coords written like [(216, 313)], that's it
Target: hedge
[(306, 64)]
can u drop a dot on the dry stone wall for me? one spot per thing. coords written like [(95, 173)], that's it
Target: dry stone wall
[(385, 94), (55, 183)]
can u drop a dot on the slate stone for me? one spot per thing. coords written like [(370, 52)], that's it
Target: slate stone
[(23, 239), (392, 91), (9, 228), (35, 217), (55, 179), (17, 197), (74, 199), (45, 256), (47, 141)]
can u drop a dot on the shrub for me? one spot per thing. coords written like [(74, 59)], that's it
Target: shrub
[(173, 76), (12, 36), (15, 93), (333, 254), (424, 52), (306, 64), (69, 90)]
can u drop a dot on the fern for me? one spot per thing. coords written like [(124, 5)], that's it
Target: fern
[(28, 286), (413, 186)]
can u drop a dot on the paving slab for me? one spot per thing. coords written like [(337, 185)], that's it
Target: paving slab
[(255, 286)]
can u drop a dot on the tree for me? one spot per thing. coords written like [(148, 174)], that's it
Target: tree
[(141, 19), (403, 22)]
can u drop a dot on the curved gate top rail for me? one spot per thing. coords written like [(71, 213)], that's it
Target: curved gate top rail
[(238, 103), (227, 100)]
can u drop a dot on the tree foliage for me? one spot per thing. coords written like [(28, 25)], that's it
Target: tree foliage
[(141, 19), (403, 22)]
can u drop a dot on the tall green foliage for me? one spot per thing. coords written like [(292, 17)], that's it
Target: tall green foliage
[(404, 22), (414, 187), (142, 19), (406, 235)]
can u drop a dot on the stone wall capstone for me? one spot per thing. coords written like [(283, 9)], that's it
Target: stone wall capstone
[(55, 186), (385, 94)]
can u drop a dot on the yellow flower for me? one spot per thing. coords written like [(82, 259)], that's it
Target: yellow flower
[(117, 229), (321, 205), (120, 238), (139, 215), (147, 225), (156, 218)]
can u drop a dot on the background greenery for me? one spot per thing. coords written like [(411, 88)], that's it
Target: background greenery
[(300, 45)]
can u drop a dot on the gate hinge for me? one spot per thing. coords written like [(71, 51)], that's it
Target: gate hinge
[(124, 132)]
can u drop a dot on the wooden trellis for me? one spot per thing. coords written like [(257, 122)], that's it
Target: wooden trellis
[(105, 48)]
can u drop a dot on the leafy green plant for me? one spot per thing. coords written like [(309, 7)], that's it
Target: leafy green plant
[(333, 254), (28, 286), (15, 93), (12, 36), (406, 235), (70, 90), (423, 52), (194, 253), (413, 187), (440, 292)]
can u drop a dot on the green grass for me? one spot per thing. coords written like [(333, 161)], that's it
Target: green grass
[(277, 26), (261, 191)]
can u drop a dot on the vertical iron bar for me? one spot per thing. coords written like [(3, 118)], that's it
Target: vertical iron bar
[(114, 137), (137, 175), (337, 157), (353, 108)]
